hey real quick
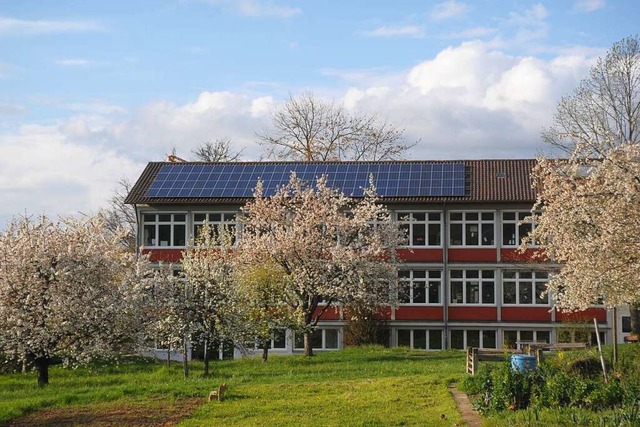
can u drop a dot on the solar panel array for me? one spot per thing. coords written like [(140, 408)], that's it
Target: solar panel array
[(239, 179)]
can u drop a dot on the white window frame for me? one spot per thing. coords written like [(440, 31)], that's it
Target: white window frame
[(519, 341), (272, 342), (471, 222), (466, 281), (222, 223), (428, 281), (465, 341), (517, 222), (406, 218), (427, 331), (533, 282), (324, 339), (172, 223)]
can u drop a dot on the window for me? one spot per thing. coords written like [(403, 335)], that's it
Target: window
[(164, 229), (420, 286), (421, 228), (626, 324), (278, 340), (524, 287), (472, 228), (420, 339), (579, 334), (514, 229), (472, 286), (461, 338), (218, 221), (321, 339), (515, 339)]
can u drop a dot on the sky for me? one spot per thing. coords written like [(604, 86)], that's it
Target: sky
[(90, 91)]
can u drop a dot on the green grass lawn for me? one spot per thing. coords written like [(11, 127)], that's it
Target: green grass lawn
[(369, 386)]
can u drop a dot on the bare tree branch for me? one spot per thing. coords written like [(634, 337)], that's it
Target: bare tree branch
[(604, 111), (219, 150), (308, 129)]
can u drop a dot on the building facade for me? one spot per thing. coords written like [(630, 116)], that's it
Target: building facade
[(467, 284)]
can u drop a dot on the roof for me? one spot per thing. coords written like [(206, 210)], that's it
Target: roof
[(498, 181)]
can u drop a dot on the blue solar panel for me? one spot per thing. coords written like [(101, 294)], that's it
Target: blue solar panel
[(239, 179)]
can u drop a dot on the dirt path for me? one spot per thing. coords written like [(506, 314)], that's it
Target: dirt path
[(469, 414), (148, 413)]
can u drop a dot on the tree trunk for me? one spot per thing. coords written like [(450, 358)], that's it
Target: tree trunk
[(206, 358), (308, 349), (265, 349), (634, 311), (185, 362), (42, 370), (168, 355)]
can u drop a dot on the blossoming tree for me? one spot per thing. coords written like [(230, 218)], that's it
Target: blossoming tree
[(588, 201), (590, 225), (68, 288), (209, 310), (333, 249)]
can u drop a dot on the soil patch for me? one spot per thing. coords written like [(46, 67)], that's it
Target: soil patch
[(158, 412)]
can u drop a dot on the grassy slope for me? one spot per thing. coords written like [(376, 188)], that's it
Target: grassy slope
[(370, 386)]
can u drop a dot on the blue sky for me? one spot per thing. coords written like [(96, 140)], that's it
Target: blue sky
[(91, 91)]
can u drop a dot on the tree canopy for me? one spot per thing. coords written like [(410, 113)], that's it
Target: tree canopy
[(332, 249), (307, 128), (588, 220), (68, 288)]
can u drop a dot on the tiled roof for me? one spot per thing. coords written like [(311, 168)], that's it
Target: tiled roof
[(499, 181)]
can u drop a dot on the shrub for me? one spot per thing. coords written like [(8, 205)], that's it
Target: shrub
[(500, 387)]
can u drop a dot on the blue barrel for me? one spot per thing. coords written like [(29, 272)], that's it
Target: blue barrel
[(523, 362)]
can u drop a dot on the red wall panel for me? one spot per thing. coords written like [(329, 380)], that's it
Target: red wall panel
[(166, 255), (419, 313), (585, 316), (531, 314), (428, 255), (481, 254), (512, 255), (473, 313), (332, 313)]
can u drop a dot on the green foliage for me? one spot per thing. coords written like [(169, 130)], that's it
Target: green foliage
[(567, 389)]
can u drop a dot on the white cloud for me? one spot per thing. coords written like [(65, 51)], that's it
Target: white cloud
[(589, 5), (530, 24), (448, 9), (469, 101), (411, 31), (7, 109), (474, 102), (43, 172), (257, 8), (27, 27)]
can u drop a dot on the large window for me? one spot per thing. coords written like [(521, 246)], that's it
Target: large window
[(472, 228), (164, 229), (420, 339), (278, 340), (218, 221), (517, 339), (464, 338), (420, 286), (421, 228), (321, 339), (514, 227), (472, 286), (524, 287)]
